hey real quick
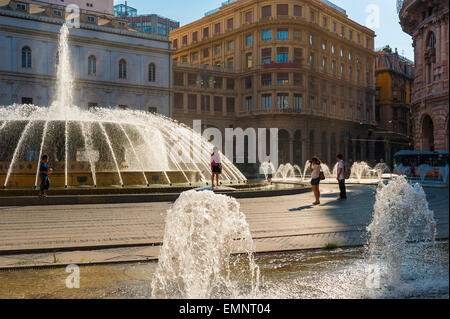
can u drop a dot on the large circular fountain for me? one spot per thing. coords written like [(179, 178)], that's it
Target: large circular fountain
[(101, 146)]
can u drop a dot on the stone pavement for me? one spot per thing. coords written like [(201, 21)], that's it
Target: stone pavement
[(53, 235)]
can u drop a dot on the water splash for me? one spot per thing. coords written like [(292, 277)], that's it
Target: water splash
[(202, 230), (401, 214)]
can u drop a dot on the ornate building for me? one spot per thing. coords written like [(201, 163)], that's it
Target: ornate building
[(427, 23), (394, 88), (298, 65), (113, 65)]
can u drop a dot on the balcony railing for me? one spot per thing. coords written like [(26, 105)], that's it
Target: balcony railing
[(213, 68)]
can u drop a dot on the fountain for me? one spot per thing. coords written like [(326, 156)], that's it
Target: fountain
[(267, 168), (202, 231), (100, 146), (443, 173), (359, 169), (380, 169), (401, 214), (285, 171), (425, 170)]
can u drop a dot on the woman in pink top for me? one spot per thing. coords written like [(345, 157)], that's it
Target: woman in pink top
[(216, 166), (315, 168)]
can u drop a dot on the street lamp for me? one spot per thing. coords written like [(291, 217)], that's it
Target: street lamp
[(205, 82)]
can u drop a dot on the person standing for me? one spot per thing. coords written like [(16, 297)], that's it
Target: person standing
[(216, 166), (314, 168), (44, 170), (341, 177)]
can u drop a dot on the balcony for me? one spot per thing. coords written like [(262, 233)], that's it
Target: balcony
[(272, 110), (198, 67)]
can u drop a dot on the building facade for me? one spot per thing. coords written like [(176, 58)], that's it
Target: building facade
[(149, 23), (113, 66), (298, 65), (101, 6), (394, 89), (427, 23)]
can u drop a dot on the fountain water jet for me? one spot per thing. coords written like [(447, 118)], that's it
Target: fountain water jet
[(401, 214), (135, 145), (202, 230)]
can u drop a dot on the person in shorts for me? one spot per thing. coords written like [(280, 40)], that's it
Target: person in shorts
[(315, 168), (216, 166)]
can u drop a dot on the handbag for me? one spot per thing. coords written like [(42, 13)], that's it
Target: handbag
[(321, 175)]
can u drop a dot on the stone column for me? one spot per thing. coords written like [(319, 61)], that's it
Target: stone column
[(372, 151), (346, 149), (305, 144), (185, 102)]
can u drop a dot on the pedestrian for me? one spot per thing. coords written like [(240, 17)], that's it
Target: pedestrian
[(341, 177), (216, 166), (315, 168), (413, 170), (269, 172), (44, 170)]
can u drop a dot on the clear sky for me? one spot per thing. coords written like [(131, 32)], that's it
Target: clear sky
[(380, 15)]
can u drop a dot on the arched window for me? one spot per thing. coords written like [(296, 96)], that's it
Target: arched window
[(92, 65), (122, 69), (26, 57), (431, 40), (152, 72)]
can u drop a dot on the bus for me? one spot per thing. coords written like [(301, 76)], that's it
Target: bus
[(404, 159)]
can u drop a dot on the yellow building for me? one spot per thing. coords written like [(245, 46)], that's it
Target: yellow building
[(394, 89), (292, 64)]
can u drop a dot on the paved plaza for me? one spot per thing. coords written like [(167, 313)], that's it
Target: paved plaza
[(50, 235)]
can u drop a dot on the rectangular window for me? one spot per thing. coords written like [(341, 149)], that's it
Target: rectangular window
[(178, 78), (21, 6), (334, 27), (266, 101), (184, 40), (297, 11), (342, 31), (217, 28), (184, 59), (248, 103), (178, 100), (298, 55), (217, 49), (283, 100), (350, 34), (298, 102), (230, 24), (324, 106), (175, 44), (311, 60), (324, 64), (298, 35), (230, 45), (195, 36), (192, 101), (282, 9), (266, 35), (192, 79), (282, 78), (282, 54), (248, 17), (194, 56), (248, 60), (206, 52), (248, 40), (312, 102), (218, 82), (205, 33), (266, 55), (218, 104), (266, 11), (324, 22), (282, 34), (266, 79), (298, 79), (230, 63), (248, 82), (230, 84)]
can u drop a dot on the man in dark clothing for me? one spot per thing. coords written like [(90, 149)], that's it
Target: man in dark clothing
[(44, 170), (341, 178)]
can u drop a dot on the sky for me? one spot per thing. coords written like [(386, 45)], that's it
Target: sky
[(379, 15)]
